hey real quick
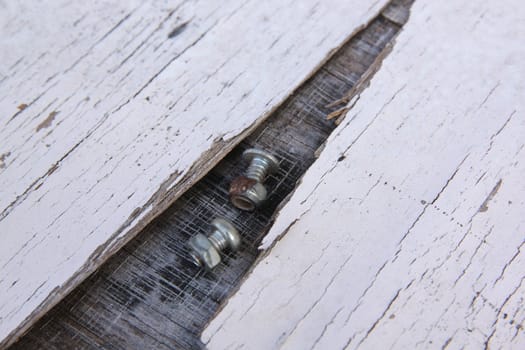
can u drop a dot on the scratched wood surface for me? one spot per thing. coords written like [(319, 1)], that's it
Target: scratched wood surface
[(149, 295), (111, 110), (408, 232)]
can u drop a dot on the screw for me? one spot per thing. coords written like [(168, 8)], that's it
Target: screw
[(205, 250), (248, 192)]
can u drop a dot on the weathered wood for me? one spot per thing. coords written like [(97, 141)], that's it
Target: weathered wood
[(111, 112), (408, 231), (151, 282)]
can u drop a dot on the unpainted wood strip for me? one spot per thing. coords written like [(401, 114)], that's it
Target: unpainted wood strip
[(408, 231)]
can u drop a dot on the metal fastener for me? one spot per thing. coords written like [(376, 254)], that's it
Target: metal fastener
[(248, 192), (205, 250)]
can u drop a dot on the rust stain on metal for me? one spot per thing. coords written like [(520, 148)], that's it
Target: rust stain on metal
[(240, 185)]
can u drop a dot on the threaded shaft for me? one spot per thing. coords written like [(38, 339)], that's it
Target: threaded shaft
[(258, 169), (218, 240)]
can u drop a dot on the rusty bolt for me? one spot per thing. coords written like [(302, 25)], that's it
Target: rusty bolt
[(248, 192), (205, 250)]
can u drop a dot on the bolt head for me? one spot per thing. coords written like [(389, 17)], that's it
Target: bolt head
[(247, 194), (229, 232), (203, 252), (273, 162)]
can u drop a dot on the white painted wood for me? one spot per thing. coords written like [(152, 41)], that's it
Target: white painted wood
[(408, 232), (107, 118)]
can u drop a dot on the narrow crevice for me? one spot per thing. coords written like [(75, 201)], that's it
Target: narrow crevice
[(149, 294)]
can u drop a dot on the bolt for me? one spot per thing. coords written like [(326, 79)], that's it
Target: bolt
[(205, 250), (248, 192)]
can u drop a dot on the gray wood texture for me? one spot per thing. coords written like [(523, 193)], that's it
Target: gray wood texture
[(149, 295)]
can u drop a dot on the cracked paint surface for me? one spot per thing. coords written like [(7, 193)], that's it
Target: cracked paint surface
[(408, 232), (111, 113)]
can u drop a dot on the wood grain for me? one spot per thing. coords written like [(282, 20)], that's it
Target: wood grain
[(151, 281), (111, 111), (408, 231)]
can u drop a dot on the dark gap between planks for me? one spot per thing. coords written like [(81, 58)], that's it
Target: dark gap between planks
[(149, 295)]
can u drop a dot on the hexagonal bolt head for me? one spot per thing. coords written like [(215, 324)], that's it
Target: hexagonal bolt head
[(205, 251), (248, 192)]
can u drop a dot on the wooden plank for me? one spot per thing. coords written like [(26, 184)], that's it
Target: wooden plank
[(151, 280), (408, 231), (111, 112)]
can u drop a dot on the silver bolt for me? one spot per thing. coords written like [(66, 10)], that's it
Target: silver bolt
[(205, 250), (248, 192)]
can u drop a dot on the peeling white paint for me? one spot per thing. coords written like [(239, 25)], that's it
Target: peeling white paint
[(408, 232), (132, 109)]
